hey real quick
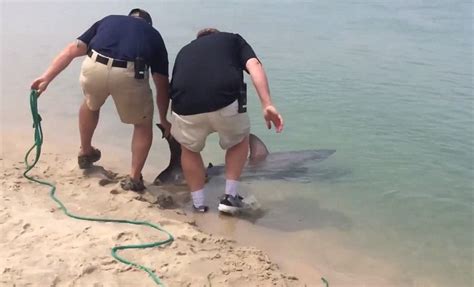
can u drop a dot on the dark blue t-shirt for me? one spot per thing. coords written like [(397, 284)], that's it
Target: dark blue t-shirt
[(125, 38), (208, 73)]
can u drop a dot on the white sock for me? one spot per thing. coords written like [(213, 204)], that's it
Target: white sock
[(231, 187), (198, 197)]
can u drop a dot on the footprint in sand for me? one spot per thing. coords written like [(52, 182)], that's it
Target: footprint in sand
[(116, 191), (24, 229), (124, 236), (88, 269), (106, 181)]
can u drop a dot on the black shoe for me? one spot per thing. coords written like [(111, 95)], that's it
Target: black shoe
[(86, 161), (230, 204), (201, 209), (134, 185)]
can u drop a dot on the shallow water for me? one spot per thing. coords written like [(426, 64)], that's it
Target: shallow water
[(388, 85)]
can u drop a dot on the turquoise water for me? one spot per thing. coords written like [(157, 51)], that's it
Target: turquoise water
[(388, 85)]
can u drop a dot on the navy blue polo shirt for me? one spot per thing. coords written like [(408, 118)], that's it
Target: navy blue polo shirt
[(208, 73), (127, 37)]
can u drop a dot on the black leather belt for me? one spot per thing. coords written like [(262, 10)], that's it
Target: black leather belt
[(105, 60)]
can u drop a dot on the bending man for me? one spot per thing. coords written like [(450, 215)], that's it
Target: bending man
[(207, 96), (120, 50)]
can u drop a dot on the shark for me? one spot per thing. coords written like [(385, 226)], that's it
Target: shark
[(261, 164)]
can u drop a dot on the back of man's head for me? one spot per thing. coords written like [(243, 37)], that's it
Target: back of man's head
[(140, 13), (206, 31)]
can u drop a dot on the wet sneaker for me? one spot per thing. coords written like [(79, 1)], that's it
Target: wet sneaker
[(230, 204), (201, 209)]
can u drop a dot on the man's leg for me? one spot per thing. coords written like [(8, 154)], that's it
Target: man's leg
[(88, 120), (235, 158), (141, 144), (195, 174), (193, 169)]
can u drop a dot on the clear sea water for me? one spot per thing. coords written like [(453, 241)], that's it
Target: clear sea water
[(388, 84)]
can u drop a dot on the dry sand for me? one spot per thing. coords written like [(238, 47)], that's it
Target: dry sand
[(40, 246)]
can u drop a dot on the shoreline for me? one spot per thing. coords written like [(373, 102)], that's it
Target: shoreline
[(43, 246), (299, 255)]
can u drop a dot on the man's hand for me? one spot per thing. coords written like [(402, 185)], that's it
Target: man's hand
[(40, 85), (271, 115), (166, 125)]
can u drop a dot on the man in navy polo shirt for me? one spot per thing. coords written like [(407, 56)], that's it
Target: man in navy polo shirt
[(121, 50), (207, 93)]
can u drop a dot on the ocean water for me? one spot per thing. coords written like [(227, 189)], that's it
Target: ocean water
[(388, 84)]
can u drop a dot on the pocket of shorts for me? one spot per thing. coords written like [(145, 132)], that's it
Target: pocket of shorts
[(230, 110), (177, 121), (87, 66)]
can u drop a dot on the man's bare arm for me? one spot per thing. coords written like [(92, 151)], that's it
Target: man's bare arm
[(259, 79), (62, 60), (162, 99)]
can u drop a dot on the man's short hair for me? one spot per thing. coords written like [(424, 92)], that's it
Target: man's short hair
[(137, 12), (206, 31)]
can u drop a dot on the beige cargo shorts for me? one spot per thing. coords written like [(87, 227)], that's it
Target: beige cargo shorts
[(191, 131), (132, 97)]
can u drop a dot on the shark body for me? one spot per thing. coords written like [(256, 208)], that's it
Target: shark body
[(261, 164)]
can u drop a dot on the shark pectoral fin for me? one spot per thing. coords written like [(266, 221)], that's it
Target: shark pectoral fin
[(258, 150)]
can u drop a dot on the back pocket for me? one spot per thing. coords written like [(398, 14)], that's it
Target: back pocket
[(230, 110)]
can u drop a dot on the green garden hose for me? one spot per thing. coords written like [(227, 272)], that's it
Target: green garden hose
[(38, 137)]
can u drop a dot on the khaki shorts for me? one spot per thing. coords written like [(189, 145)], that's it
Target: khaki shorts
[(133, 97), (191, 131)]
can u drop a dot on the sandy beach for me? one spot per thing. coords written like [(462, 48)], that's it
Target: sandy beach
[(40, 246), (386, 84)]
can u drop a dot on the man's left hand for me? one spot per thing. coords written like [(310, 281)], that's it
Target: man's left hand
[(166, 128)]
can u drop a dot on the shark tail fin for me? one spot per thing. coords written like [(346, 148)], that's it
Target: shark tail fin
[(258, 150)]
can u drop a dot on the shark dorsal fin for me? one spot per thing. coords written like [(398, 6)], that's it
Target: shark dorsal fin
[(258, 150)]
